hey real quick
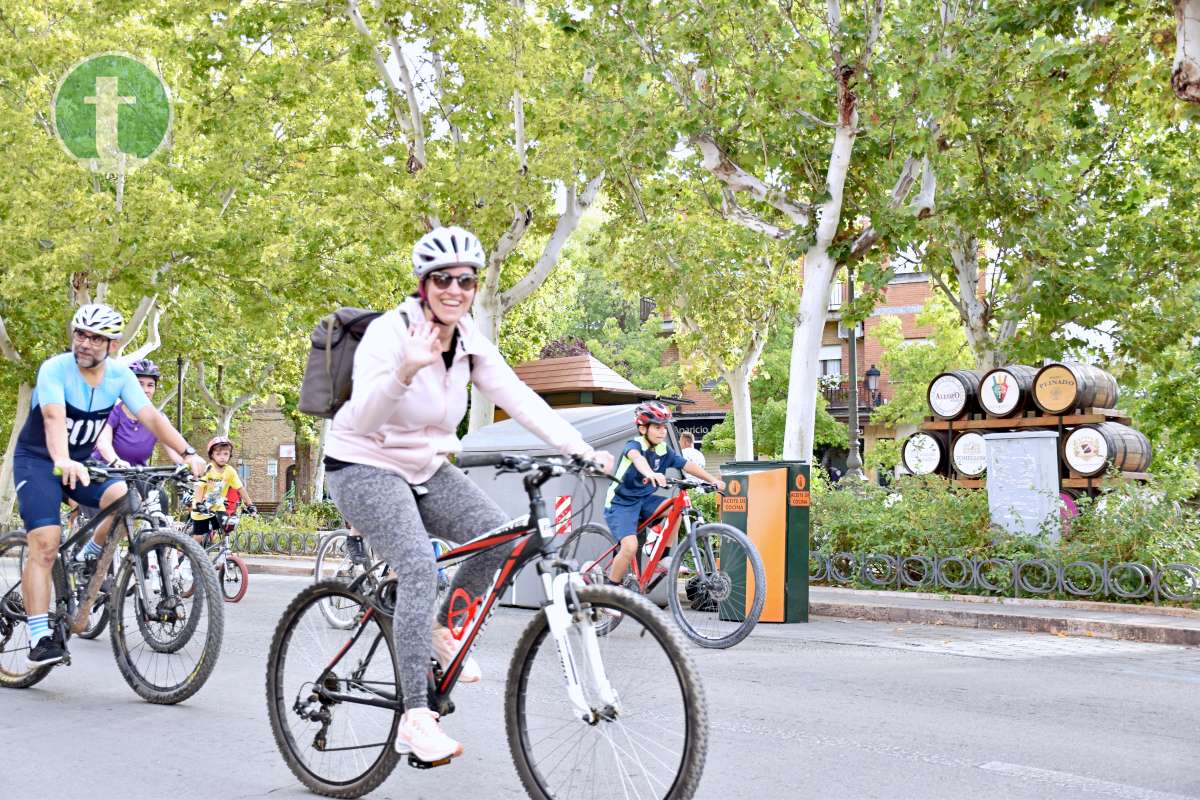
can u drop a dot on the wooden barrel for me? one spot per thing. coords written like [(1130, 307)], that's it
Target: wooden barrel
[(969, 454), (1059, 388), (1089, 449), (1005, 391), (953, 394), (925, 453)]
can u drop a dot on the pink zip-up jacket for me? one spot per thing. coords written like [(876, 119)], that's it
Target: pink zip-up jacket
[(410, 429)]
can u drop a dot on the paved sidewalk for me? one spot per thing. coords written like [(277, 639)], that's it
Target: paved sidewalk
[(1139, 623)]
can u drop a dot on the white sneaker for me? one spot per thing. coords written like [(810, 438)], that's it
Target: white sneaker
[(446, 647), (420, 734)]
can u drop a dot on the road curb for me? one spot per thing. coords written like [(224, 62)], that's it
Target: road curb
[(279, 569), (1030, 623)]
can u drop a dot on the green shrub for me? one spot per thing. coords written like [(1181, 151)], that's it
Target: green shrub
[(1131, 521)]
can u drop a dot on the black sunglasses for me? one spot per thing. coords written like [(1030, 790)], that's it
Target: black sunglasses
[(442, 280)]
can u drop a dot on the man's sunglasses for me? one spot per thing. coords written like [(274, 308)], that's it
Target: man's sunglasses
[(442, 280)]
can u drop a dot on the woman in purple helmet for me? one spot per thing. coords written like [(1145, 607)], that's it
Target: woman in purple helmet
[(125, 442)]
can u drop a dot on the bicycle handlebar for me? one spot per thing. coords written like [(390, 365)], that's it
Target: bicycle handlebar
[(553, 465), (174, 472)]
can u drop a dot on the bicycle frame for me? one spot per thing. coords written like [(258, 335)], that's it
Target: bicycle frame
[(671, 513), (129, 507), (535, 540)]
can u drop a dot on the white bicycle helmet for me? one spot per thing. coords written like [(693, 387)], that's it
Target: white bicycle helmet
[(447, 247), (98, 318)]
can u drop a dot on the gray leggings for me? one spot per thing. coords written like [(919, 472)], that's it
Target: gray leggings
[(381, 505)]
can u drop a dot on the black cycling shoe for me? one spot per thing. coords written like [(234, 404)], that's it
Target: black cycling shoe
[(355, 549), (47, 651)]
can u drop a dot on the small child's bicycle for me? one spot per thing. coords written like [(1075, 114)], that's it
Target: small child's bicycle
[(716, 583)]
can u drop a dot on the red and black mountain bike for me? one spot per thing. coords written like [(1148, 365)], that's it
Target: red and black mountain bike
[(614, 717), (716, 584)]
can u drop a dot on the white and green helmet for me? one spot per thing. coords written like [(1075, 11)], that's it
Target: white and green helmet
[(99, 318)]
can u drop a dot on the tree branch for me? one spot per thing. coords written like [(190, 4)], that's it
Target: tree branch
[(204, 390), (738, 180), (813, 118), (153, 339), (908, 175), (864, 59), (6, 346), (522, 219), (733, 212), (577, 204), (380, 66), (414, 107), (950, 295), (1185, 72), (439, 78), (668, 74), (519, 132)]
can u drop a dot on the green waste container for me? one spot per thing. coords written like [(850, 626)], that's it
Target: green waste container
[(769, 501)]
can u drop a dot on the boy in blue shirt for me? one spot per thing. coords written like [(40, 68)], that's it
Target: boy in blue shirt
[(632, 501)]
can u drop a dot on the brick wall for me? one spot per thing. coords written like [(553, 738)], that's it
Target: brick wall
[(257, 440), (903, 299)]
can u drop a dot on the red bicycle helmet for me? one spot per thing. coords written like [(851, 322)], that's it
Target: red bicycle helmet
[(217, 440), (651, 411)]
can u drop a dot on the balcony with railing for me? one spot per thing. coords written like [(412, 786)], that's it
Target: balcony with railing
[(836, 391)]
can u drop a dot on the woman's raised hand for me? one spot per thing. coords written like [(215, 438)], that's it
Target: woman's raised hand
[(422, 349)]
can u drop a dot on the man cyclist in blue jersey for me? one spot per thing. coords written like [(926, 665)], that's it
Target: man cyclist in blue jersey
[(75, 393)]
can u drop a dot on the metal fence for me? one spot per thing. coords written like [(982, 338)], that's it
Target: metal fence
[(1125, 580), (289, 543)]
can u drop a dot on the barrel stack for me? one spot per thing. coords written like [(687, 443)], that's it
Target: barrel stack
[(1077, 400)]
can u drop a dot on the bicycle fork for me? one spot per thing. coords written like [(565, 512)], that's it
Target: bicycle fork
[(561, 617)]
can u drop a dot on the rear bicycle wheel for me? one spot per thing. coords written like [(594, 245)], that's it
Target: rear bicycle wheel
[(234, 579), (650, 744), (724, 586), (165, 645), (334, 747), (592, 547), (334, 562), (15, 673)]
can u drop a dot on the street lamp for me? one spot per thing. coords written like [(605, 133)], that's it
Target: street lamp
[(853, 460), (871, 378)]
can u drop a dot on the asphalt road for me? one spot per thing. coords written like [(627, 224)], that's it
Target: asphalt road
[(833, 709)]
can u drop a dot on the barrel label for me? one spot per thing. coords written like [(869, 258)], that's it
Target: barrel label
[(999, 393), (1056, 388), (1086, 451), (970, 454), (922, 454), (947, 397)]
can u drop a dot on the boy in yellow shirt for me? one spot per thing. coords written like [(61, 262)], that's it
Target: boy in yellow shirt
[(233, 492)]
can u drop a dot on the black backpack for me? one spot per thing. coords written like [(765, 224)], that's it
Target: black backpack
[(329, 373)]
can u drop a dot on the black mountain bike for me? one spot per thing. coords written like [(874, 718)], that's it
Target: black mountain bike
[(623, 716), (165, 645)]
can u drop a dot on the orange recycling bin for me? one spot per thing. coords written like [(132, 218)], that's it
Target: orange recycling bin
[(769, 501)]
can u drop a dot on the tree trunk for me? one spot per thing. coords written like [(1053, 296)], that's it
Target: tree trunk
[(304, 470), (486, 313), (318, 482), (8, 494), (1185, 74), (814, 299), (743, 423), (964, 252)]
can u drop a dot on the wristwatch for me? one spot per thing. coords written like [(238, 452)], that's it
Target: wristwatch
[(189, 451)]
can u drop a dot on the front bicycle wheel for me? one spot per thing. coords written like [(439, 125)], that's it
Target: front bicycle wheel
[(717, 586), (166, 645), (234, 579), (651, 743), (15, 672), (335, 746)]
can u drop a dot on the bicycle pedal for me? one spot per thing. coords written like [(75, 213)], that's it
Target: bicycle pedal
[(417, 763)]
